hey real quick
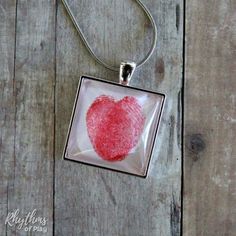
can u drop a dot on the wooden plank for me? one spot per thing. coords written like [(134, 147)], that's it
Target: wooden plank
[(210, 119), (92, 201), (31, 182), (7, 104)]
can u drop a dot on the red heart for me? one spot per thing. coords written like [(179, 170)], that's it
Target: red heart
[(114, 127)]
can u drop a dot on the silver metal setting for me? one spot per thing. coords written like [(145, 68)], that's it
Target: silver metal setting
[(66, 155), (126, 72), (85, 41)]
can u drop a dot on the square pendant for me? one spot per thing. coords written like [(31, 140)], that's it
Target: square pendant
[(113, 126)]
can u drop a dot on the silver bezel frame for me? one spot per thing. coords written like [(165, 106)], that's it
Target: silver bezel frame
[(116, 84)]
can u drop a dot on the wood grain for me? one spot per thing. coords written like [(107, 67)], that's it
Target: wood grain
[(92, 201), (7, 105), (28, 141), (210, 119)]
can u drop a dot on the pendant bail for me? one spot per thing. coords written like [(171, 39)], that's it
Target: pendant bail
[(126, 72)]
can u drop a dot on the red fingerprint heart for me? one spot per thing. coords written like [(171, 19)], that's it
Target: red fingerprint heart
[(114, 127)]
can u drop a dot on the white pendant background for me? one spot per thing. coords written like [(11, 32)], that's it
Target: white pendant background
[(79, 147)]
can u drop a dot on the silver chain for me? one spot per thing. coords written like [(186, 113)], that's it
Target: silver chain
[(114, 68)]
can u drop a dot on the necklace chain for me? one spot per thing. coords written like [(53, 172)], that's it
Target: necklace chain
[(110, 67)]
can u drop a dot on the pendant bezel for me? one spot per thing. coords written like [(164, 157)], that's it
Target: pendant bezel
[(85, 77)]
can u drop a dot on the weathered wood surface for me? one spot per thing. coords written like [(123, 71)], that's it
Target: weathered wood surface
[(92, 201), (41, 61), (7, 105), (210, 119), (27, 110), (38, 77)]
